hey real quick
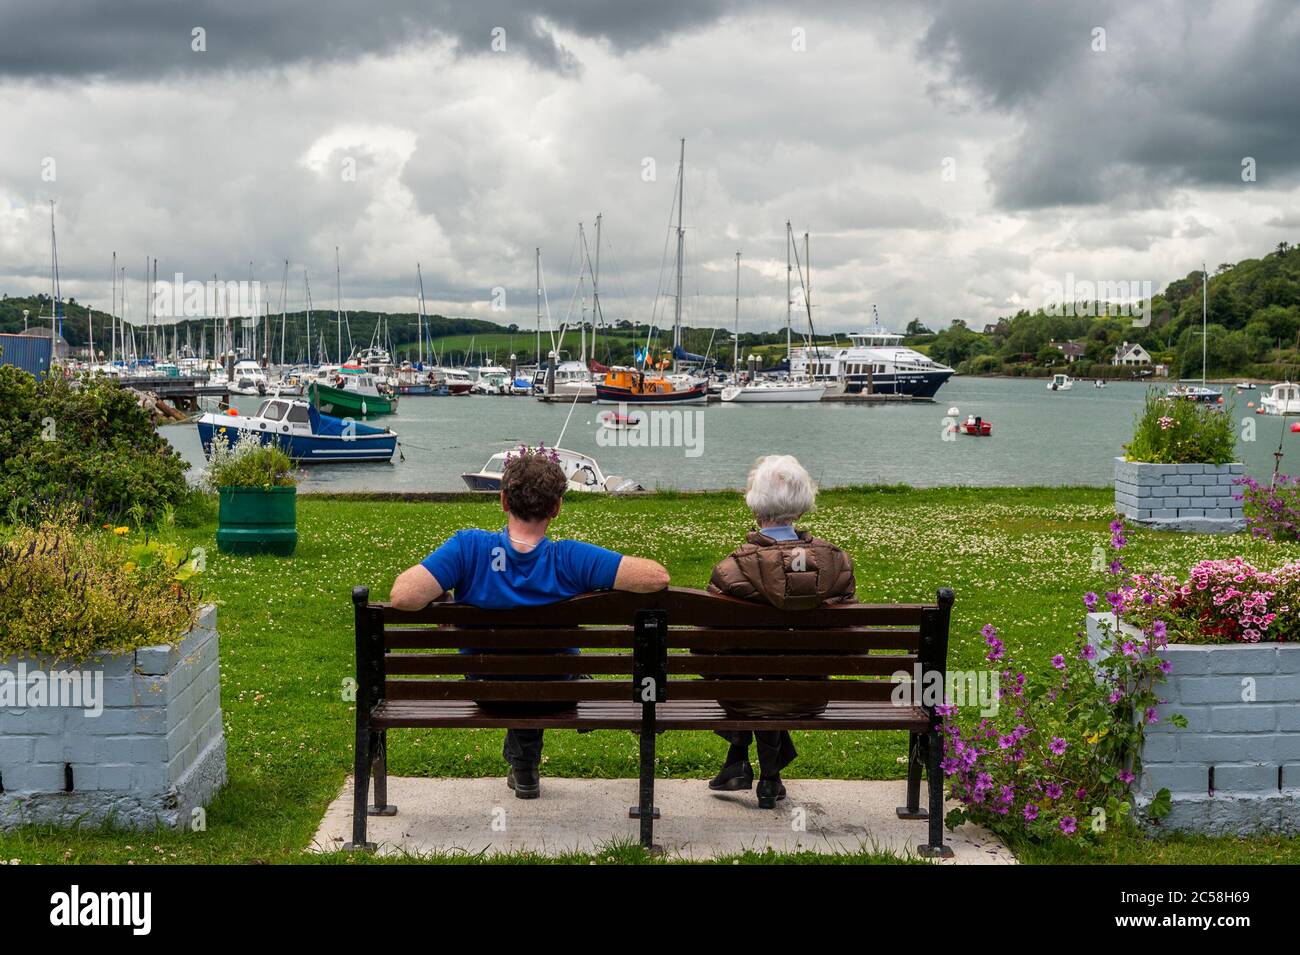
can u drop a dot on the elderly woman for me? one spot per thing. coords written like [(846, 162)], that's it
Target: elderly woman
[(790, 569)]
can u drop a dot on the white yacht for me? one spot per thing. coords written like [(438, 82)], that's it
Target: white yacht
[(248, 378), (1283, 399), (583, 472), (772, 391), (1060, 383), (875, 360), (571, 378)]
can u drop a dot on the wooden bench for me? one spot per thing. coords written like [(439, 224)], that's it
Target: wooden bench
[(739, 648)]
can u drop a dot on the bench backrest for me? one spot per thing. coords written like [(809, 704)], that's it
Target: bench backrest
[(625, 636)]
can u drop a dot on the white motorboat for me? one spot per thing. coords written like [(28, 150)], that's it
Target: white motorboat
[(876, 361), (774, 391), (583, 472), (570, 378), (1195, 393), (1283, 399), (1060, 383), (248, 378)]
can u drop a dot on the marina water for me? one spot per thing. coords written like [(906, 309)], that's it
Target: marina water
[(1039, 438)]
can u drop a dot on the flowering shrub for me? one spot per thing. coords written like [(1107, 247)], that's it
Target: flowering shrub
[(247, 463), (1062, 752), (1181, 431), (1272, 513), (68, 592), (1221, 601)]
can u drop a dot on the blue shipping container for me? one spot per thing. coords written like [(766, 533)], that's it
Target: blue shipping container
[(30, 354)]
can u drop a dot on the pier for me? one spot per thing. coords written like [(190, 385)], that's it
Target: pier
[(181, 393)]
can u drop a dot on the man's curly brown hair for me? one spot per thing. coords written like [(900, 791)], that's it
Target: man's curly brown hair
[(533, 485)]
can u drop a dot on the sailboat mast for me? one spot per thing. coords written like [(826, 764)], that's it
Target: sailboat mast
[(338, 301), (807, 288), (677, 308), (595, 292), (420, 276), (112, 348), (284, 310), (789, 238), (306, 284), (54, 288), (1205, 293), (539, 306), (735, 356)]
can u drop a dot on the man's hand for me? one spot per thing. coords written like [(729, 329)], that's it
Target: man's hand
[(639, 575), (416, 588)]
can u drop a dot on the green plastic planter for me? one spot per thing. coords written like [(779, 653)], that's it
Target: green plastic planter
[(256, 520)]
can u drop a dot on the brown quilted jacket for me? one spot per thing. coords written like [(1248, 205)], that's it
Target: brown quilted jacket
[(793, 575)]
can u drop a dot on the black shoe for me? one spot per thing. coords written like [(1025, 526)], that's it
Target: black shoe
[(733, 777), (524, 782), (770, 791)]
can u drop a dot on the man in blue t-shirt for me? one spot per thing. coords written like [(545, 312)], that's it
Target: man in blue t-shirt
[(520, 566)]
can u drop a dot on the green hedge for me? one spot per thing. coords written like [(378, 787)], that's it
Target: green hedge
[(87, 444)]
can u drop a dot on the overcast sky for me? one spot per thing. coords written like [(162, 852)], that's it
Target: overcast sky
[(948, 158)]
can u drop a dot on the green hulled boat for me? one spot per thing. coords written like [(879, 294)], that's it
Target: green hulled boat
[(354, 393)]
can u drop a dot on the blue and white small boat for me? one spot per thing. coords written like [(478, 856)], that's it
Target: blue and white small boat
[(302, 431)]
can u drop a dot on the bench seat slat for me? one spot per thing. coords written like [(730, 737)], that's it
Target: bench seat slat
[(681, 663), (695, 638), (673, 715), (559, 690)]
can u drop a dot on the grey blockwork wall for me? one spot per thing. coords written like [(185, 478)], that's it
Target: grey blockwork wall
[(1186, 497), (1235, 768), (156, 751)]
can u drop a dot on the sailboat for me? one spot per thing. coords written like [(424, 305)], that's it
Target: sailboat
[(1191, 392), (771, 390), (636, 385)]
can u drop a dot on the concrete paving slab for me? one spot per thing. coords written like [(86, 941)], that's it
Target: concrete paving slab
[(438, 816)]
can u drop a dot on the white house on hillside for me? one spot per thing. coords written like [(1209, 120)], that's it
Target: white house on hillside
[(1131, 353)]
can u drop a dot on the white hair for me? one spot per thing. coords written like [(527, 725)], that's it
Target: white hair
[(779, 490)]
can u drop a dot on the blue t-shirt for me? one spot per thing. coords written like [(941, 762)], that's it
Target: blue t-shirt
[(484, 569), (781, 532)]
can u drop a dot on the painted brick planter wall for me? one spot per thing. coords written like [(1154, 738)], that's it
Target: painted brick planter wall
[(155, 752), (1179, 497), (1251, 748)]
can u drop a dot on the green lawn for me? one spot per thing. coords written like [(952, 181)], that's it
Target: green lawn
[(1017, 558)]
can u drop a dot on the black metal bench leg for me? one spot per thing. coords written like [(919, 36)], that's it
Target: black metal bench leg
[(645, 809), (379, 747), (935, 849), (913, 810), (361, 770)]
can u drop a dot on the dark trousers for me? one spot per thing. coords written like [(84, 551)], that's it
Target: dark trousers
[(523, 748), (775, 748)]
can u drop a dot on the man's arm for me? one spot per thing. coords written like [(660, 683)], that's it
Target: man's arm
[(640, 575), (415, 589)]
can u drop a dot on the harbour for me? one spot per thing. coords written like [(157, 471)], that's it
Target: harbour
[(1040, 438)]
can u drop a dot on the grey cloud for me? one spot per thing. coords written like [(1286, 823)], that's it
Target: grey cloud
[(146, 38), (1182, 94)]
